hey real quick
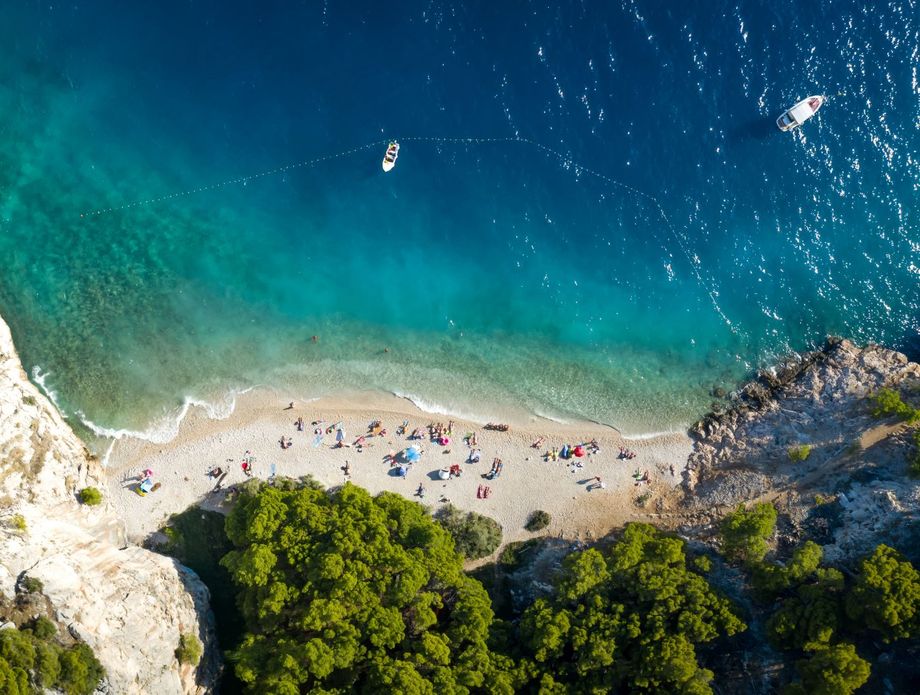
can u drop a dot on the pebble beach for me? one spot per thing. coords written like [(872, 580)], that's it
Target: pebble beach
[(530, 480)]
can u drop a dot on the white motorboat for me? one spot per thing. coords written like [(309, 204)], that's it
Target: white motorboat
[(799, 113), (389, 159)]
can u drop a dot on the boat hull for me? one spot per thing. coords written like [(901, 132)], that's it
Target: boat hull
[(389, 159), (797, 115)]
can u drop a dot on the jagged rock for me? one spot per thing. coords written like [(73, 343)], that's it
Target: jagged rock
[(128, 604), (818, 399)]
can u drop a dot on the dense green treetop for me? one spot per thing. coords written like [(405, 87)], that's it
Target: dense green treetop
[(346, 592), (836, 670), (886, 595), (475, 536), (745, 532), (810, 609), (31, 661), (888, 402), (625, 620)]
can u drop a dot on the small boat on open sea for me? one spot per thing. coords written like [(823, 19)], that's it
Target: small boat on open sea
[(799, 113), (389, 159)]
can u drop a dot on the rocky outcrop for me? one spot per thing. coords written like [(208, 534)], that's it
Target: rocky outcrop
[(854, 483), (128, 604)]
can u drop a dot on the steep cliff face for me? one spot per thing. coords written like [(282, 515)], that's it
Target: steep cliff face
[(128, 604), (853, 489)]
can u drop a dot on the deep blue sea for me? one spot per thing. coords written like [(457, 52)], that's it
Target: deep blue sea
[(593, 213)]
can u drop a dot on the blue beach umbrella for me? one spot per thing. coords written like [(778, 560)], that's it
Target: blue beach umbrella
[(412, 454), (402, 471)]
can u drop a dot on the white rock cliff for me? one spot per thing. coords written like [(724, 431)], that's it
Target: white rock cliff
[(128, 604)]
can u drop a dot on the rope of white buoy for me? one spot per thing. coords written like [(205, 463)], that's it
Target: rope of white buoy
[(231, 182), (692, 259)]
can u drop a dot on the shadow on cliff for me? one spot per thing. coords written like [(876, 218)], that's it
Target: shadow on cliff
[(198, 542)]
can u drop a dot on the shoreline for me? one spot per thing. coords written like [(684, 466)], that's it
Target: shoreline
[(259, 418)]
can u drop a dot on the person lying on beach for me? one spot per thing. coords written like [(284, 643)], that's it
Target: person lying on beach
[(299, 424), (416, 433), (538, 442), (215, 472)]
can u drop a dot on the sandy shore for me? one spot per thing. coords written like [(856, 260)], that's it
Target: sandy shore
[(527, 482)]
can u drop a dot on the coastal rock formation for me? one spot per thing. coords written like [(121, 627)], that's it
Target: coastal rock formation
[(852, 489), (128, 604)]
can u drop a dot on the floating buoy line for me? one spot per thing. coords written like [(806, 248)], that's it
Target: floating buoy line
[(566, 161)]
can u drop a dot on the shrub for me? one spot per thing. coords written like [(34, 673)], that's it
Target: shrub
[(90, 496), (702, 564), (474, 535), (888, 402), (189, 649), (80, 671), (18, 522), (43, 628), (745, 532), (799, 453), (32, 585), (538, 521), (47, 664)]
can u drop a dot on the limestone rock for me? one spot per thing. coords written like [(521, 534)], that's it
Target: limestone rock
[(818, 399), (128, 604)]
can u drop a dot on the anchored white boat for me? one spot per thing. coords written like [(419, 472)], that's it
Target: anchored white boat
[(389, 159), (800, 113)]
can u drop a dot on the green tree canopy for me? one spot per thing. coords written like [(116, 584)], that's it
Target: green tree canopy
[(886, 595), (346, 592), (811, 618), (31, 661), (888, 402), (625, 620), (475, 535), (745, 532), (837, 670)]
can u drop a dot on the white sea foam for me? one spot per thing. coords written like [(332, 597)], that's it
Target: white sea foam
[(552, 418), (438, 409), (654, 435), (41, 380), (166, 428)]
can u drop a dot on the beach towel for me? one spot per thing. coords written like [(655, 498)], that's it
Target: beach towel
[(317, 440)]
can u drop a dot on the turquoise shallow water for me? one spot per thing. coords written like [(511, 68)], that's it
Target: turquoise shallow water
[(495, 273)]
